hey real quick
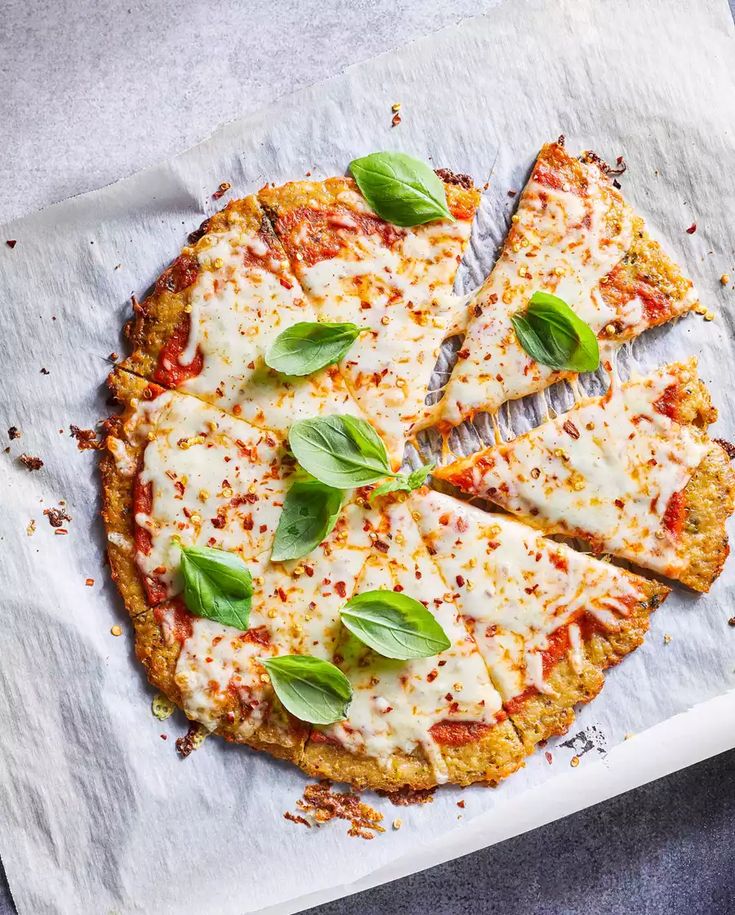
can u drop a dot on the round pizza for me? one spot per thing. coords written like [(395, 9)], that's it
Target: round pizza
[(293, 584)]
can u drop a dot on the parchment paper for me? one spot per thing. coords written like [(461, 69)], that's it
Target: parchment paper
[(98, 813)]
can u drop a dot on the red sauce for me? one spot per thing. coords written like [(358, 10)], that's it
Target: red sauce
[(180, 275), (177, 616), (668, 402), (143, 503), (320, 234), (673, 520), (321, 737), (458, 733), (656, 305), (169, 370)]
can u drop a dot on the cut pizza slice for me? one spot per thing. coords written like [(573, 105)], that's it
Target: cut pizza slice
[(633, 473), (394, 282), (419, 722), (573, 235), (214, 313), (547, 619)]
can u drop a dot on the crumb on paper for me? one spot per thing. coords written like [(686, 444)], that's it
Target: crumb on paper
[(89, 582), (692, 229), (113, 357), (396, 120), (296, 818), (221, 190), (396, 106), (31, 528), (116, 630), (731, 621), (11, 242), (725, 279), (407, 797), (192, 740), (321, 804), (30, 462), (574, 762), (549, 757), (61, 531), (460, 804), (13, 433), (397, 823), (628, 736), (667, 638), (56, 516), (162, 707), (512, 193), (86, 438), (45, 371), (164, 736)]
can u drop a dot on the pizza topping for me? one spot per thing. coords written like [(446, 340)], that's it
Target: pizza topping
[(56, 516), (310, 512), (311, 689), (86, 438), (394, 625), (403, 190), (217, 585), (340, 451), (550, 332), (308, 346), (322, 805)]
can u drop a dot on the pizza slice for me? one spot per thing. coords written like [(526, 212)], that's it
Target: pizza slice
[(573, 235), (547, 619), (420, 722), (394, 282), (633, 473), (214, 313)]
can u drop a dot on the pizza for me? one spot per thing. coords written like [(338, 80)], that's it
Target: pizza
[(633, 473), (429, 641), (572, 235)]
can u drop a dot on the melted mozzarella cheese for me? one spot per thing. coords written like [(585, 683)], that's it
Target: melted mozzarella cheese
[(215, 481), (563, 241), (515, 588), (605, 471), (237, 307), (403, 296), (396, 703)]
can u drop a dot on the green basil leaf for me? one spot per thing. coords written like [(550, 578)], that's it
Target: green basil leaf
[(310, 511), (552, 334), (308, 346), (394, 624), (311, 689), (340, 451), (403, 482), (401, 189), (217, 585)]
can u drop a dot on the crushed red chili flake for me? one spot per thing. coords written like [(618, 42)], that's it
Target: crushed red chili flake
[(571, 429), (221, 190), (86, 438), (164, 736), (460, 804), (11, 242), (407, 797), (13, 433), (89, 582), (185, 745), (323, 804), (56, 516), (692, 229), (32, 463), (396, 120)]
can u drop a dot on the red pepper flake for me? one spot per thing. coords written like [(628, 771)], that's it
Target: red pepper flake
[(13, 433), (86, 438), (89, 582), (221, 190), (463, 353), (11, 242), (549, 757), (30, 462), (571, 429), (341, 588), (61, 531), (692, 229), (460, 804), (56, 516), (460, 581), (164, 736), (432, 675), (396, 120)]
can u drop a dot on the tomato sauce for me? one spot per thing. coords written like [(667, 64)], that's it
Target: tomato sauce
[(180, 275), (177, 616), (675, 513), (169, 370), (458, 733)]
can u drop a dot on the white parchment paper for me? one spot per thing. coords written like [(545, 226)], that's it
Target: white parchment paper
[(97, 812)]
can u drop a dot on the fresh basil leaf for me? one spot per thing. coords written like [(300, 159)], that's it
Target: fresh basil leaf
[(552, 334), (311, 689), (394, 624), (308, 346), (403, 482), (217, 585), (340, 451), (401, 189), (310, 511)]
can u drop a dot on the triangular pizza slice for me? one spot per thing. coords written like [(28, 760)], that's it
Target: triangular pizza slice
[(547, 619), (394, 282), (633, 473), (572, 235)]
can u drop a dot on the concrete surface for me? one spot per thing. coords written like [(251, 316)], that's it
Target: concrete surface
[(93, 92)]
